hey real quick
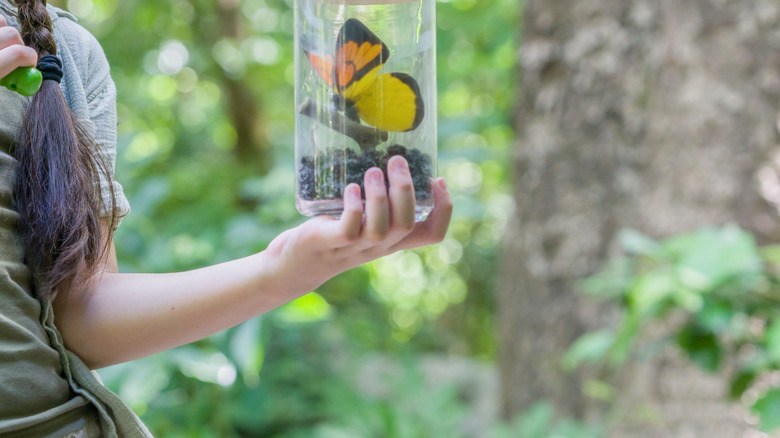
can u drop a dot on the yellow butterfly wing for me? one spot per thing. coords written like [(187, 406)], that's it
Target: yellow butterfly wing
[(391, 102), (358, 86)]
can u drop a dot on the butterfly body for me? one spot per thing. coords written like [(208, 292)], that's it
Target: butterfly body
[(388, 101), (347, 107)]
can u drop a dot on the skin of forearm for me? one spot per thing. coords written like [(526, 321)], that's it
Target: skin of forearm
[(121, 316)]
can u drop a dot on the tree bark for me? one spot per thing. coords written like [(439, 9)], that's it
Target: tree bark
[(656, 115), (243, 105)]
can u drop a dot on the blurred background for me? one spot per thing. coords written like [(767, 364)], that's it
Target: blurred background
[(610, 269)]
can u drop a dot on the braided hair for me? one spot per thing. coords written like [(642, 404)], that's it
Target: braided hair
[(56, 191)]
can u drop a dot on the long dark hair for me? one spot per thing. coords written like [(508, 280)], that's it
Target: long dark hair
[(57, 185)]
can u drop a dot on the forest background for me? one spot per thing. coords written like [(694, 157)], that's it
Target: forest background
[(579, 293)]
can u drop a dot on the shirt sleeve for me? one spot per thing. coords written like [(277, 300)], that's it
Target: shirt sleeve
[(101, 102)]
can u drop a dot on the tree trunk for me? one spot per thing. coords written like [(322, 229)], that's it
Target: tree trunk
[(243, 105), (656, 115)]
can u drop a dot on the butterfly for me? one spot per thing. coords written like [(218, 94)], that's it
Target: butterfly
[(388, 101)]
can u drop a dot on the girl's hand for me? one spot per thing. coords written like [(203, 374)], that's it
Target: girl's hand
[(13, 52), (323, 247)]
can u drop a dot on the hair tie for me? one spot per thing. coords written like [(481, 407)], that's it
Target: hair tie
[(51, 68)]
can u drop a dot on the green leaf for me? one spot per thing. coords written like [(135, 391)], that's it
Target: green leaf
[(768, 409), (741, 383), (701, 345), (688, 299), (247, 350), (624, 343), (590, 347), (772, 338), (308, 308), (715, 316), (537, 421), (650, 291), (613, 280), (636, 243), (709, 257), (206, 366)]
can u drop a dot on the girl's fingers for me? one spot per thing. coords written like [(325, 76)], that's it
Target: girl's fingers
[(401, 196), (13, 52), (377, 212), (9, 36), (435, 227), (351, 220), (327, 232), (16, 56)]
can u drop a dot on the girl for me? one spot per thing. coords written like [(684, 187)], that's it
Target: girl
[(59, 207)]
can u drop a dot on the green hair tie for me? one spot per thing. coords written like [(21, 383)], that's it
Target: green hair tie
[(24, 80)]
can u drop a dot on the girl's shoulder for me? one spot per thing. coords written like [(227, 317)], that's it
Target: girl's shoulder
[(57, 13), (76, 40)]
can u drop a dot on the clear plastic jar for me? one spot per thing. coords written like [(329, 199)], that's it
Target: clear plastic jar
[(365, 90)]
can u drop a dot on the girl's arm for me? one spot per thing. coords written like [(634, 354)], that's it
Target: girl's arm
[(119, 317)]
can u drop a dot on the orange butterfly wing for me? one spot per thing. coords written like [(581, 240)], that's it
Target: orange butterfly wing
[(358, 52), (322, 65)]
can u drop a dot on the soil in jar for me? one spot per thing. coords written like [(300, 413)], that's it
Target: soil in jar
[(339, 168)]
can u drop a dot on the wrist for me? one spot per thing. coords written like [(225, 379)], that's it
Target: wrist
[(278, 281)]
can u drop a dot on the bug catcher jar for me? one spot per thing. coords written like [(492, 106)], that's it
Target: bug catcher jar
[(365, 90)]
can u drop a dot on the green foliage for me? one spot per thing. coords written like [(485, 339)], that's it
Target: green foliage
[(539, 422), (311, 386), (409, 409), (768, 408), (308, 308), (719, 293), (588, 348)]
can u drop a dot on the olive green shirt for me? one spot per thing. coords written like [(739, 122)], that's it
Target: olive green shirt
[(40, 380)]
